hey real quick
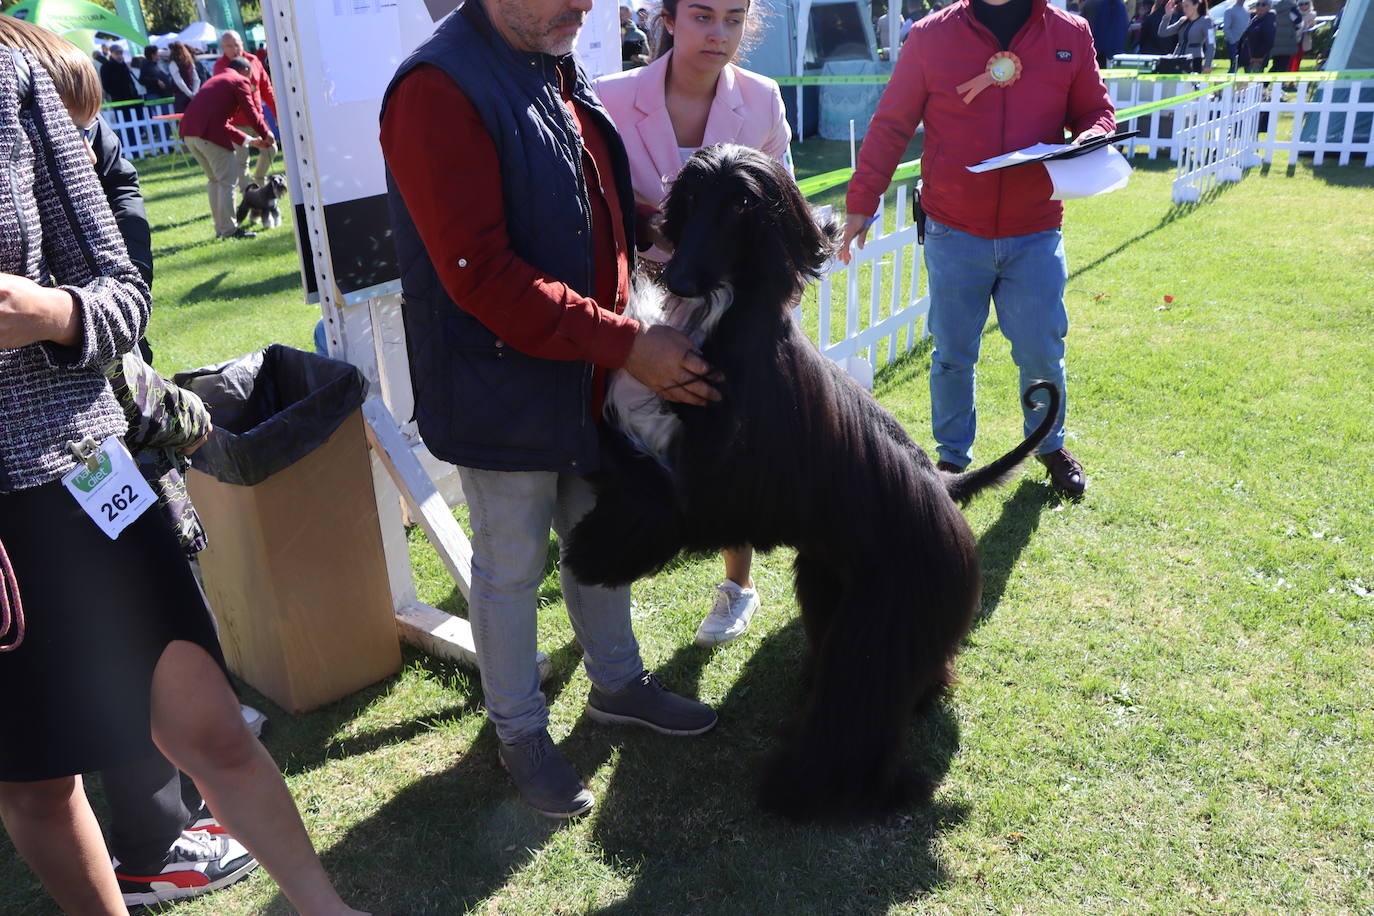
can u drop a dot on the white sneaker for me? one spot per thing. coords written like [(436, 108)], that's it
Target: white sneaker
[(253, 719), (729, 616)]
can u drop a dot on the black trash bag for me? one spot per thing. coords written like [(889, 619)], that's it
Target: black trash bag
[(270, 408)]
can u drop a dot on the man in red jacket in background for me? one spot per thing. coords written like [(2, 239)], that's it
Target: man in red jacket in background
[(231, 48), (208, 128), (987, 77)]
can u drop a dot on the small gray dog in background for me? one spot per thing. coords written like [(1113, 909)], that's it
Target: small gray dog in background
[(260, 203)]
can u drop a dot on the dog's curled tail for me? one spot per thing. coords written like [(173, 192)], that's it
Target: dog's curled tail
[(963, 487)]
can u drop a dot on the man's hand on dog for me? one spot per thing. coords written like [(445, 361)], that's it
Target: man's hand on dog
[(666, 360)]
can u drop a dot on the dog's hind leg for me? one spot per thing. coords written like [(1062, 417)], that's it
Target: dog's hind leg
[(842, 757), (819, 591)]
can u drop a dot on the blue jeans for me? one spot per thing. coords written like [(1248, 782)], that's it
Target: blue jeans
[(512, 512), (1024, 276)]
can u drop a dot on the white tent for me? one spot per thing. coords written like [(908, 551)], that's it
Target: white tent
[(198, 35), (162, 41)]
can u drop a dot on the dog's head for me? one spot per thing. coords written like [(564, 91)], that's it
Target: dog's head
[(276, 186), (734, 214)]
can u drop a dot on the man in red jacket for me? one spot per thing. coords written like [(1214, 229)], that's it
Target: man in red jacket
[(208, 128), (987, 77), (231, 49)]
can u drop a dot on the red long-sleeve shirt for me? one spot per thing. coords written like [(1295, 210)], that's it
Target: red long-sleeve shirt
[(259, 78), (224, 100), (1059, 87), (446, 167)]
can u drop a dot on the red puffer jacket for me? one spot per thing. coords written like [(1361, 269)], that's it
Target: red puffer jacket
[(1059, 88)]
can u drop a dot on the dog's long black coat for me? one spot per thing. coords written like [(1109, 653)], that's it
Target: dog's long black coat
[(796, 453)]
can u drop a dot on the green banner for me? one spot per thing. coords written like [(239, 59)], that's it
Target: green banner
[(224, 15), (131, 11), (63, 16)]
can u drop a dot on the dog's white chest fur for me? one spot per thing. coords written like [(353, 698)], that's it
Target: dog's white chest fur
[(636, 410)]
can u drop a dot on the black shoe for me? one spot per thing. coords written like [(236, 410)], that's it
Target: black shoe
[(1066, 474), (546, 781), (240, 233), (648, 703)]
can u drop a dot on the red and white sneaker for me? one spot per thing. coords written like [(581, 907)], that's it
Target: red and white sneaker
[(197, 863)]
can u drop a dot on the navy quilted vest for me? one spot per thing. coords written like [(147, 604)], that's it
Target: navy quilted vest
[(479, 402)]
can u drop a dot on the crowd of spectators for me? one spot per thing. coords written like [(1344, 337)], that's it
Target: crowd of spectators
[(175, 72)]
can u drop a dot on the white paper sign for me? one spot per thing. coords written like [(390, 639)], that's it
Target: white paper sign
[(1099, 172), (115, 494)]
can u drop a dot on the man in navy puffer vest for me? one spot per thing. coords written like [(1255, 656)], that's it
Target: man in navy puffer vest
[(514, 224)]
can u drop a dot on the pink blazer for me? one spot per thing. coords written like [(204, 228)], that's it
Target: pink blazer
[(747, 110)]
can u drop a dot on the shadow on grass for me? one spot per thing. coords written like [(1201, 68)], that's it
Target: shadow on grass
[(268, 286), (1175, 213), (1001, 545), (681, 813)]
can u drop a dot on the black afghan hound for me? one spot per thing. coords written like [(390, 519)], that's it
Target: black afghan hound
[(795, 453)]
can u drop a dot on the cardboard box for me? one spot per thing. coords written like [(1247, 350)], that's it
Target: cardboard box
[(296, 576)]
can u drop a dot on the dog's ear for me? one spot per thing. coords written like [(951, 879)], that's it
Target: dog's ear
[(810, 242)]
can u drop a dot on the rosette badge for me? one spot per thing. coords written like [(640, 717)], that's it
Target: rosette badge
[(1003, 69)]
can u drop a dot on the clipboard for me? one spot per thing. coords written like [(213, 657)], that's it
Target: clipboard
[(1095, 143), (1034, 154)]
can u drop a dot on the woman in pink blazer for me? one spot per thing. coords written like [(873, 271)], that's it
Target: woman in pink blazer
[(693, 95)]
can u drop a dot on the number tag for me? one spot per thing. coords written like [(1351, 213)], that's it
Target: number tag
[(115, 493)]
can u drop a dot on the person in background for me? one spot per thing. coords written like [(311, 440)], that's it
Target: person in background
[(157, 82), (231, 48), (187, 75), (986, 77), (1150, 42), (261, 54), (490, 113), (634, 44), (1133, 28), (695, 95), (117, 79), (1233, 24), (1258, 39), (121, 660), (1287, 25), (1109, 25), (1305, 32), (208, 127), (1194, 29)]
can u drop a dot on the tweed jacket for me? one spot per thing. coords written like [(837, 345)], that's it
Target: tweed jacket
[(56, 229)]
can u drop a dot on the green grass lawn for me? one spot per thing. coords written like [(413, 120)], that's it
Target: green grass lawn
[(1165, 705)]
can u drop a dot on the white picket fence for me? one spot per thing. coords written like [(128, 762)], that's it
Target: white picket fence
[(1214, 138), (140, 129), (858, 335)]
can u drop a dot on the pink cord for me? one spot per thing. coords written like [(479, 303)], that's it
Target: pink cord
[(11, 607)]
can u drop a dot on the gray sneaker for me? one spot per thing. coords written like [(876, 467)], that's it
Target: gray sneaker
[(647, 702), (546, 781)]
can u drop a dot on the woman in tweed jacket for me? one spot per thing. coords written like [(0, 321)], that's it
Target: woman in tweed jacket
[(103, 659)]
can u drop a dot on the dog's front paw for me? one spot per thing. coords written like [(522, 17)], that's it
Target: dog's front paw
[(620, 541)]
